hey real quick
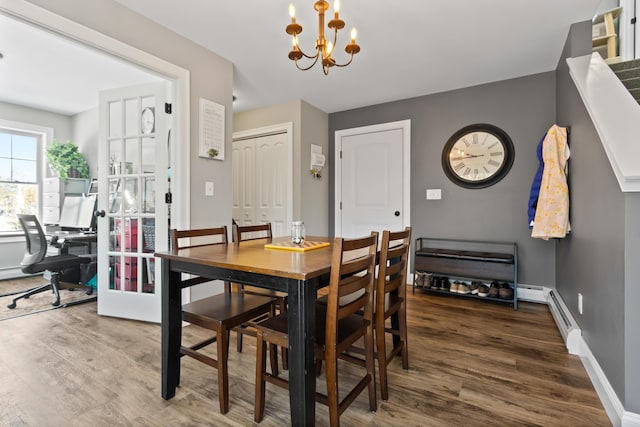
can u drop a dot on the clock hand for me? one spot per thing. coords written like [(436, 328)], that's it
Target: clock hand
[(467, 156)]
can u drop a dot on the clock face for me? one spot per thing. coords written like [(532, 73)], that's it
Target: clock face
[(148, 120), (477, 156)]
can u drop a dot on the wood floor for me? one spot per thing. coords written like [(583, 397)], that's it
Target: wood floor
[(472, 363)]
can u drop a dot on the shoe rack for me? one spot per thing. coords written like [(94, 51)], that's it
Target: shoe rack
[(465, 268)]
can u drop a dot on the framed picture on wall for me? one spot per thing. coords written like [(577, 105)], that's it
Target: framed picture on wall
[(211, 126)]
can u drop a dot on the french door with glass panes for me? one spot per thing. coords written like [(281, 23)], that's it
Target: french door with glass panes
[(132, 215)]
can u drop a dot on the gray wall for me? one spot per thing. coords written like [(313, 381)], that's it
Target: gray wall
[(599, 258), (525, 109)]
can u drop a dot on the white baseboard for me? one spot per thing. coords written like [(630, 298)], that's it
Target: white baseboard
[(11, 273), (531, 293), (577, 345)]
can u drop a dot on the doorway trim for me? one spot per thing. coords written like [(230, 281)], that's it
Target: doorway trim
[(49, 21), (405, 126)]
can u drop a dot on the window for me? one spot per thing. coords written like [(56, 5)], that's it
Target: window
[(18, 177)]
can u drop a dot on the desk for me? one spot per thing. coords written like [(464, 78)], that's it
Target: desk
[(298, 274), (73, 238)]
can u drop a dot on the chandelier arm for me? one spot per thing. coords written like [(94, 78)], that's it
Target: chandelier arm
[(347, 63), (309, 67), (310, 56)]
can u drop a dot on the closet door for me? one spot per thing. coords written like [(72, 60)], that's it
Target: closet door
[(244, 179), (261, 182), (271, 185)]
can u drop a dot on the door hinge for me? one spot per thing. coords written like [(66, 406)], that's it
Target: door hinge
[(341, 154), (167, 198), (633, 20), (167, 108), (340, 205)]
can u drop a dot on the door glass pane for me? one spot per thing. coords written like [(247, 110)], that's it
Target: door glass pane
[(130, 196), (149, 283), (115, 197), (113, 260), (132, 113), (148, 155), (115, 157), (148, 195), (132, 160), (115, 119)]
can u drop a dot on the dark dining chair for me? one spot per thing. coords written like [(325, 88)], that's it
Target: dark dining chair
[(337, 328), (391, 302), (243, 233), (220, 313), (35, 260)]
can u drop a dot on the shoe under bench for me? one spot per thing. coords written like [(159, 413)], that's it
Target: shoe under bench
[(468, 259)]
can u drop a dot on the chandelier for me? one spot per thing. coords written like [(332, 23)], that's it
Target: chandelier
[(324, 48)]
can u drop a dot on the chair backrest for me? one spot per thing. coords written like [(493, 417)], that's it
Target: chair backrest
[(352, 277), (393, 262), (243, 233), (198, 237), (36, 240)]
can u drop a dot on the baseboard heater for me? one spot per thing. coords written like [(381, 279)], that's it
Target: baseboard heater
[(568, 327)]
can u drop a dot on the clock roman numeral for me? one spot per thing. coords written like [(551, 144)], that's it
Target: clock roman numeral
[(493, 163), (496, 153), (494, 144), (466, 143), (475, 138), (458, 166), (485, 169), (466, 172)]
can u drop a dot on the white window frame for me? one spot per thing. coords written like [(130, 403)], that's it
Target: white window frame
[(45, 136)]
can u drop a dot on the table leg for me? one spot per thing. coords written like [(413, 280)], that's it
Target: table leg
[(171, 330), (302, 379)]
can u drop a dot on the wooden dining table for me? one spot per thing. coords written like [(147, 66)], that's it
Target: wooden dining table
[(299, 274)]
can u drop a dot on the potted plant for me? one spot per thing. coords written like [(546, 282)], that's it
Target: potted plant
[(66, 161)]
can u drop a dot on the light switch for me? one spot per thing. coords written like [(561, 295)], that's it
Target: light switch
[(434, 194), (208, 188)]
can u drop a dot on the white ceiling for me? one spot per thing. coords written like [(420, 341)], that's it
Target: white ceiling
[(45, 71), (409, 48)]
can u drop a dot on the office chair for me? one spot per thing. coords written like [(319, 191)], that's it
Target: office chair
[(35, 260)]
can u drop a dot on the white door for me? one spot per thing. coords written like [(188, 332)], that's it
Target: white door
[(243, 158), (132, 178), (372, 179), (271, 184), (262, 177)]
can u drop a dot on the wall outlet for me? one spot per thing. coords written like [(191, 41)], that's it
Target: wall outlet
[(208, 188), (580, 303), (434, 194)]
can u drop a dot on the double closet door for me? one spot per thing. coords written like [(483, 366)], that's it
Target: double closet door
[(261, 181)]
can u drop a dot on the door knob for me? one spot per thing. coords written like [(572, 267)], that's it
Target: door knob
[(99, 214), (397, 213)]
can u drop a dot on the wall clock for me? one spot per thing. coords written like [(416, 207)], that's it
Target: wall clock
[(478, 156), (148, 120)]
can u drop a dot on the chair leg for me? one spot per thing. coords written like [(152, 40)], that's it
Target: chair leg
[(402, 314), (26, 295), (261, 355), (382, 358), (239, 342), (331, 374), (55, 282), (273, 358), (223, 374), (371, 367)]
